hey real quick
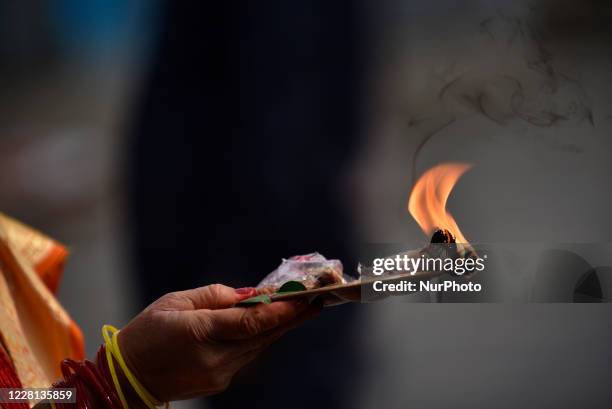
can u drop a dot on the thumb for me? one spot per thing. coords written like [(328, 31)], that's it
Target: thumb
[(211, 297)]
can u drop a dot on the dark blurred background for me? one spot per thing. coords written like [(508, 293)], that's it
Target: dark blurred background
[(209, 139), (176, 144), (239, 146)]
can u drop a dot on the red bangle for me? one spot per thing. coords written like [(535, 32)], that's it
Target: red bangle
[(93, 390)]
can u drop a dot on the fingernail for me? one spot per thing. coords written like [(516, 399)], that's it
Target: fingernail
[(244, 290)]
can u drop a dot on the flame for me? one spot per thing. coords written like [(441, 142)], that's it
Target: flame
[(427, 203)]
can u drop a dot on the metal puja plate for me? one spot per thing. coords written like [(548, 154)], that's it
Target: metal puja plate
[(351, 292)]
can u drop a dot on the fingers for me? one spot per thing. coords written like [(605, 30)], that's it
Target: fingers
[(212, 297), (244, 323), (245, 351), (262, 341)]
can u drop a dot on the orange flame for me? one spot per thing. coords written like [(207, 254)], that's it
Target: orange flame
[(427, 203)]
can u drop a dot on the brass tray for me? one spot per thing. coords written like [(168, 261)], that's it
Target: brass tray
[(351, 292)]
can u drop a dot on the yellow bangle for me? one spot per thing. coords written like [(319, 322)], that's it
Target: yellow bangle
[(111, 365), (112, 350)]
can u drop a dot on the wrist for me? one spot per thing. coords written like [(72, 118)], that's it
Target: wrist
[(133, 400), (131, 397), (124, 375)]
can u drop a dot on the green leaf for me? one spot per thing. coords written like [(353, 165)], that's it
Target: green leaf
[(288, 287), (262, 298), (291, 287)]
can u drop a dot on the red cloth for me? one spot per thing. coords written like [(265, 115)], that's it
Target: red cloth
[(93, 383), (9, 379)]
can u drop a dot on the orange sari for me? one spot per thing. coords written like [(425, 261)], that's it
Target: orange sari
[(36, 333)]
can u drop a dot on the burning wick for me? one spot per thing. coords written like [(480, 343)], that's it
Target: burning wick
[(448, 246), (427, 204), (442, 236)]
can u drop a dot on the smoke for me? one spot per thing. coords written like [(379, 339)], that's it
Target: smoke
[(508, 76)]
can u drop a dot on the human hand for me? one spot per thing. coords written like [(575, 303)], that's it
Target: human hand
[(191, 343)]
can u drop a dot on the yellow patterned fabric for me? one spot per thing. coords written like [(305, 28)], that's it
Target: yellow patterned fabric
[(35, 330)]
